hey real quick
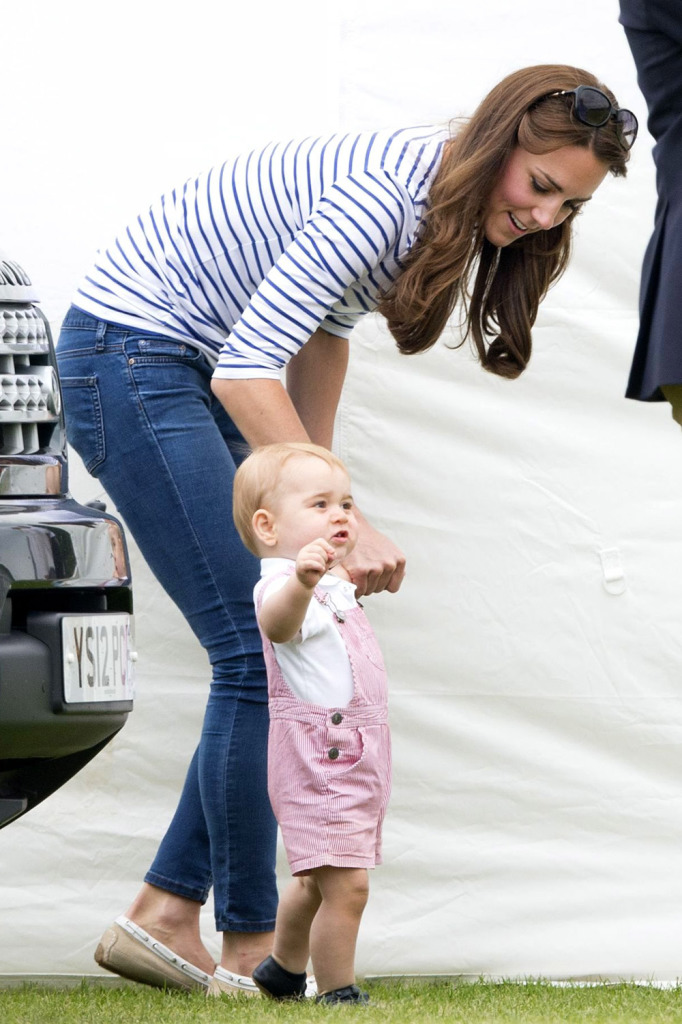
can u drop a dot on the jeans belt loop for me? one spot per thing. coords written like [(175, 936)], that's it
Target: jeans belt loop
[(99, 335)]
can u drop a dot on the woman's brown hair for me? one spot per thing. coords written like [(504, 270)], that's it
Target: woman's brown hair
[(500, 308)]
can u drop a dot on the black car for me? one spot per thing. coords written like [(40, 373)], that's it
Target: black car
[(66, 657)]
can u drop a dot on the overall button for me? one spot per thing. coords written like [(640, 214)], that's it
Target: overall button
[(333, 753), (337, 718)]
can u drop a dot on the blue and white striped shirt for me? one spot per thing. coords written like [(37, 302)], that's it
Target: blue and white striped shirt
[(246, 261)]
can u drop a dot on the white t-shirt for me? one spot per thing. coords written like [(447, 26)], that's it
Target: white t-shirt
[(315, 664)]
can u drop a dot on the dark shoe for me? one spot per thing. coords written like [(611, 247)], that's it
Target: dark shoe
[(276, 982), (349, 994)]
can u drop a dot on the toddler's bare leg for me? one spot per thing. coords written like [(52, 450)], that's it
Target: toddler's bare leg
[(297, 908), (334, 931)]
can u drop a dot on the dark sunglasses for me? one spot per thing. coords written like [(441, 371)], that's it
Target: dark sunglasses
[(593, 107)]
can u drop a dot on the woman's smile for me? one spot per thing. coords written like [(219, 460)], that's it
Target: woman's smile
[(538, 191)]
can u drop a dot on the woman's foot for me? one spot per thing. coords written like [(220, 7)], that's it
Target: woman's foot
[(243, 951), (131, 952), (227, 983), (174, 922)]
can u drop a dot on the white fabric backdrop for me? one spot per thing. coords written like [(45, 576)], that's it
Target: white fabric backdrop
[(536, 820)]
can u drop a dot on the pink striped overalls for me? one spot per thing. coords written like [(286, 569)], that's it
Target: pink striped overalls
[(329, 769)]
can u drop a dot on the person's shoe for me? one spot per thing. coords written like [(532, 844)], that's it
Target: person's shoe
[(131, 952), (276, 982), (349, 994), (226, 983)]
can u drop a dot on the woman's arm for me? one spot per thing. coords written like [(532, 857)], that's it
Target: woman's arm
[(315, 379), (265, 412), (261, 409)]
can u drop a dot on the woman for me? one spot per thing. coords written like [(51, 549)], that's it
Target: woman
[(171, 358)]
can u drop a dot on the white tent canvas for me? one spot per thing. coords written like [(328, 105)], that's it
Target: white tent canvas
[(534, 651)]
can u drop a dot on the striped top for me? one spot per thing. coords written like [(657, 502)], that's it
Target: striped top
[(246, 261)]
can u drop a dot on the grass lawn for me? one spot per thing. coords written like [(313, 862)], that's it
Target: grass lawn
[(391, 1002)]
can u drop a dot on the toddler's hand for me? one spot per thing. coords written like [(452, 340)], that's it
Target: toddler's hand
[(313, 561)]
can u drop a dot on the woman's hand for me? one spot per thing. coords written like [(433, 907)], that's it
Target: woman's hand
[(376, 563)]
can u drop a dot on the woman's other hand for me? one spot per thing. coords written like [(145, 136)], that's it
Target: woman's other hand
[(376, 563)]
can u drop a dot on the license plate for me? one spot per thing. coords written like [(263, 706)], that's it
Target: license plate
[(98, 658)]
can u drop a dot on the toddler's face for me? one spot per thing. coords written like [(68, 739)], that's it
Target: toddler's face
[(313, 500)]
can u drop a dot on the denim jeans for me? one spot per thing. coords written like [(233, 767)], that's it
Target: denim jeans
[(140, 413)]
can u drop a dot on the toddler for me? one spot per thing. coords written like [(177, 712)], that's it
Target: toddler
[(329, 758)]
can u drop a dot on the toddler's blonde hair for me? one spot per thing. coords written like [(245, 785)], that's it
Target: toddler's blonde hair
[(256, 481)]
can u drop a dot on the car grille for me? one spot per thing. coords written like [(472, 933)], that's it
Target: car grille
[(29, 392), (30, 404)]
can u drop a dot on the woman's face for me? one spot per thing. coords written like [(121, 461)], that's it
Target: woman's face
[(535, 192)]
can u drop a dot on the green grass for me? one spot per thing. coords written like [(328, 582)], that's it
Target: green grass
[(392, 1003)]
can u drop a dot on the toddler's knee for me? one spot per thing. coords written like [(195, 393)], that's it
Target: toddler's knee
[(345, 888), (309, 885), (357, 890)]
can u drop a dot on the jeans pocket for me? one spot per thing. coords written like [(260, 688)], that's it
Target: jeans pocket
[(84, 421), (151, 349)]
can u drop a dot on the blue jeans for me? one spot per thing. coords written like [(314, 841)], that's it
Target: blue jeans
[(140, 413)]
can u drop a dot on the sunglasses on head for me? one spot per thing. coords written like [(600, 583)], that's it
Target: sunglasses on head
[(593, 107)]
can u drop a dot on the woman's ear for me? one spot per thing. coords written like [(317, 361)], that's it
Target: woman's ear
[(264, 527)]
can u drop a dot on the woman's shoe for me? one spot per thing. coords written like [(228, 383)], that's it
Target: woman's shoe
[(131, 952), (225, 982)]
